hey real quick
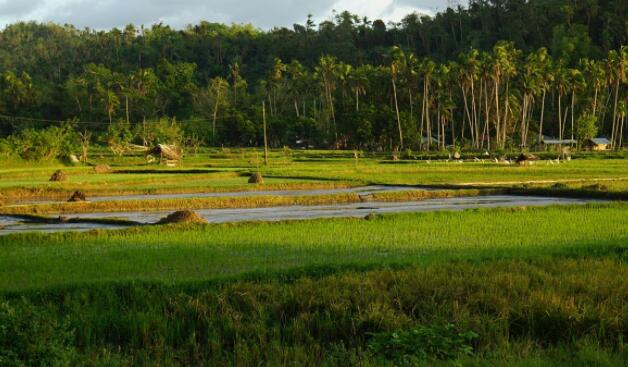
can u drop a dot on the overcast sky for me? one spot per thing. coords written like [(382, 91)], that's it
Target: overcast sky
[(105, 14)]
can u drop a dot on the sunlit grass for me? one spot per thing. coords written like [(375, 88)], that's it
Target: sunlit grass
[(175, 254)]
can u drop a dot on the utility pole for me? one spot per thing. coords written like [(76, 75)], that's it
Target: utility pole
[(265, 135)]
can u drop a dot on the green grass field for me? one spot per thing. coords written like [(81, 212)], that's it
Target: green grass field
[(229, 172), (199, 253), (490, 287)]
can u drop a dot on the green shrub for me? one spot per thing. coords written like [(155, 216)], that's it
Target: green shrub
[(423, 343), (44, 144), (6, 149), (163, 131)]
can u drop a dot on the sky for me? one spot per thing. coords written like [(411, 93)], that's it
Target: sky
[(106, 14)]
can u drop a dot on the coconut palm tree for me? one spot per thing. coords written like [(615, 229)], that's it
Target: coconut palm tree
[(358, 83), (327, 72), (217, 90), (427, 69), (234, 71), (544, 65), (297, 83), (396, 63), (576, 84), (531, 86), (468, 75), (617, 62)]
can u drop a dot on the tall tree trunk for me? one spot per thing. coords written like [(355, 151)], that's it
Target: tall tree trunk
[(126, 102), (411, 105), (428, 121), (595, 102), (560, 117), (453, 129), (523, 120), (215, 116), (573, 112), (467, 113), (333, 118), (613, 128), (398, 117), (486, 135), (542, 115), (504, 123), (497, 115), (265, 133), (422, 114), (475, 113), (438, 122), (621, 131)]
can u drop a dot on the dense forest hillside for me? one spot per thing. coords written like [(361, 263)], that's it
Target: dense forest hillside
[(493, 74)]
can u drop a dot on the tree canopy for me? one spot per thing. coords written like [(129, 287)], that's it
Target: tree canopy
[(485, 75)]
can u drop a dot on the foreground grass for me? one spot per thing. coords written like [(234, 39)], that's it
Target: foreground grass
[(545, 312), (491, 287), (199, 253)]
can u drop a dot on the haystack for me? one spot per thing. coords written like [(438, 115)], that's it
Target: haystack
[(525, 159), (184, 216), (366, 197), (596, 187), (256, 178), (77, 196), (58, 176), (102, 168), (167, 152)]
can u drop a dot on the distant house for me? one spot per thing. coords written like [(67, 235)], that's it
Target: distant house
[(302, 144), (549, 142), (431, 139), (598, 144)]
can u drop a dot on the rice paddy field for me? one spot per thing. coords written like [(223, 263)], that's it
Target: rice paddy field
[(509, 286)]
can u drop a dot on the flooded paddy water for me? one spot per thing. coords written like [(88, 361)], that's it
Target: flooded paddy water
[(10, 225)]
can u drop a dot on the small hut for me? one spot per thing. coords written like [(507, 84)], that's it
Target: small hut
[(169, 154), (598, 144)]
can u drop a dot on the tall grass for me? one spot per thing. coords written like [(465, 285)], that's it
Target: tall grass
[(518, 310)]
